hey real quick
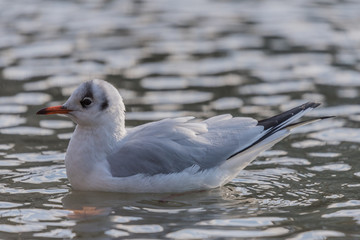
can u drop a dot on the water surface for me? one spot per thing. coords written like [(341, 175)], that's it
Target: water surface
[(171, 59)]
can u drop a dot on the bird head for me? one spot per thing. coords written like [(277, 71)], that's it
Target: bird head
[(93, 103)]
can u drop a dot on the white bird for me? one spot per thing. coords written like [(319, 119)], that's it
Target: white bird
[(171, 155)]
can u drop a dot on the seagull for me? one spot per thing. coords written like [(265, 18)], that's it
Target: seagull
[(171, 155)]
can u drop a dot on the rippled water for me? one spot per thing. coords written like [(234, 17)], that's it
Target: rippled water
[(178, 58)]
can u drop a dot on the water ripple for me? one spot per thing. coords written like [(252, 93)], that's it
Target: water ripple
[(27, 131), (191, 233), (317, 235), (276, 88), (11, 120), (352, 213), (176, 97), (36, 157), (13, 108), (338, 135), (244, 222), (56, 124), (336, 167), (180, 58), (145, 228), (41, 175), (26, 99)]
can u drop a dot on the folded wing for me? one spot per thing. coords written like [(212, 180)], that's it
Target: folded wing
[(172, 145)]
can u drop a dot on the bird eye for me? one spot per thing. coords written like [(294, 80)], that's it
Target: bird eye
[(86, 101)]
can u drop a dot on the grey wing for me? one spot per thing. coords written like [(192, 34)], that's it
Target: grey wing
[(172, 145)]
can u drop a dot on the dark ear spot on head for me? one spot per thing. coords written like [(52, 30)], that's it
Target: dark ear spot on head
[(104, 105)]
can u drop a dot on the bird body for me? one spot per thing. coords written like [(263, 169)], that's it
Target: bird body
[(171, 155)]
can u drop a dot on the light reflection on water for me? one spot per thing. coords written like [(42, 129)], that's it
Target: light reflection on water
[(251, 58)]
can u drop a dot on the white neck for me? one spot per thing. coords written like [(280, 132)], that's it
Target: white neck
[(88, 148), (101, 138)]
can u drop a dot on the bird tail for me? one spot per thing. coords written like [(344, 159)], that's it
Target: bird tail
[(275, 129)]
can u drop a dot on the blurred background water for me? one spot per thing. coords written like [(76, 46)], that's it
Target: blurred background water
[(177, 58)]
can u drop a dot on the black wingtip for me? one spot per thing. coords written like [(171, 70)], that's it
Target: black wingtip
[(314, 104), (308, 105), (326, 117), (275, 120), (276, 123)]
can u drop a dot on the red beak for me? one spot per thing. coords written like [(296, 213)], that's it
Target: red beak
[(54, 110)]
